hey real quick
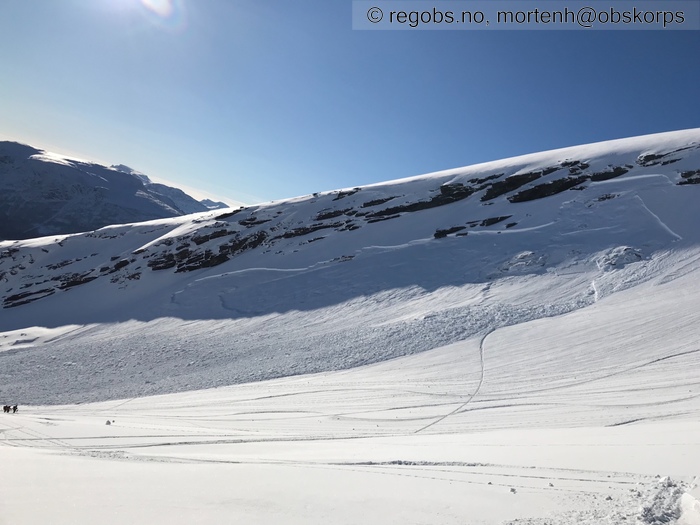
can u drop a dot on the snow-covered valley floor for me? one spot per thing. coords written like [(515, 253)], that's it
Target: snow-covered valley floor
[(592, 417)]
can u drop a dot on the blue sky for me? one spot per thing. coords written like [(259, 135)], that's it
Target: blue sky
[(266, 99)]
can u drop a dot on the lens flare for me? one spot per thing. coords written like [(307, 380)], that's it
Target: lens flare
[(162, 8), (170, 13)]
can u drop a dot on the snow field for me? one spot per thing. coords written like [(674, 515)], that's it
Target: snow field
[(543, 371), (599, 415)]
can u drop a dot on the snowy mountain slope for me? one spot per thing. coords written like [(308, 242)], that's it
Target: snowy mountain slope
[(570, 420), (336, 280), (540, 370), (46, 194)]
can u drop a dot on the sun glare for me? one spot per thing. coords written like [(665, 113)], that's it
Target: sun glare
[(164, 13), (164, 8)]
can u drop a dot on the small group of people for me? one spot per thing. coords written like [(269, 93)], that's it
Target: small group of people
[(7, 408)]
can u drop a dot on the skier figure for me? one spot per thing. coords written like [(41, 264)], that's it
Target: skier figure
[(14, 409)]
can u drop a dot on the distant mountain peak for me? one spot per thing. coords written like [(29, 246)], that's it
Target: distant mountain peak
[(42, 193), (214, 205), (123, 168)]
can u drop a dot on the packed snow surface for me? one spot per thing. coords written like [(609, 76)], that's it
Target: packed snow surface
[(508, 343)]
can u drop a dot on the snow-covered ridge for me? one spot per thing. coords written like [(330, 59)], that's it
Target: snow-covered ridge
[(42, 193), (338, 279), (509, 197)]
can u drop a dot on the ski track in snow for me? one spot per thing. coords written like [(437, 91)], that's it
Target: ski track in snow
[(472, 396), (658, 219)]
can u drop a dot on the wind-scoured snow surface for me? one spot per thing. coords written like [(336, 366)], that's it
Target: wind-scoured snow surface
[(513, 343), (42, 193)]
